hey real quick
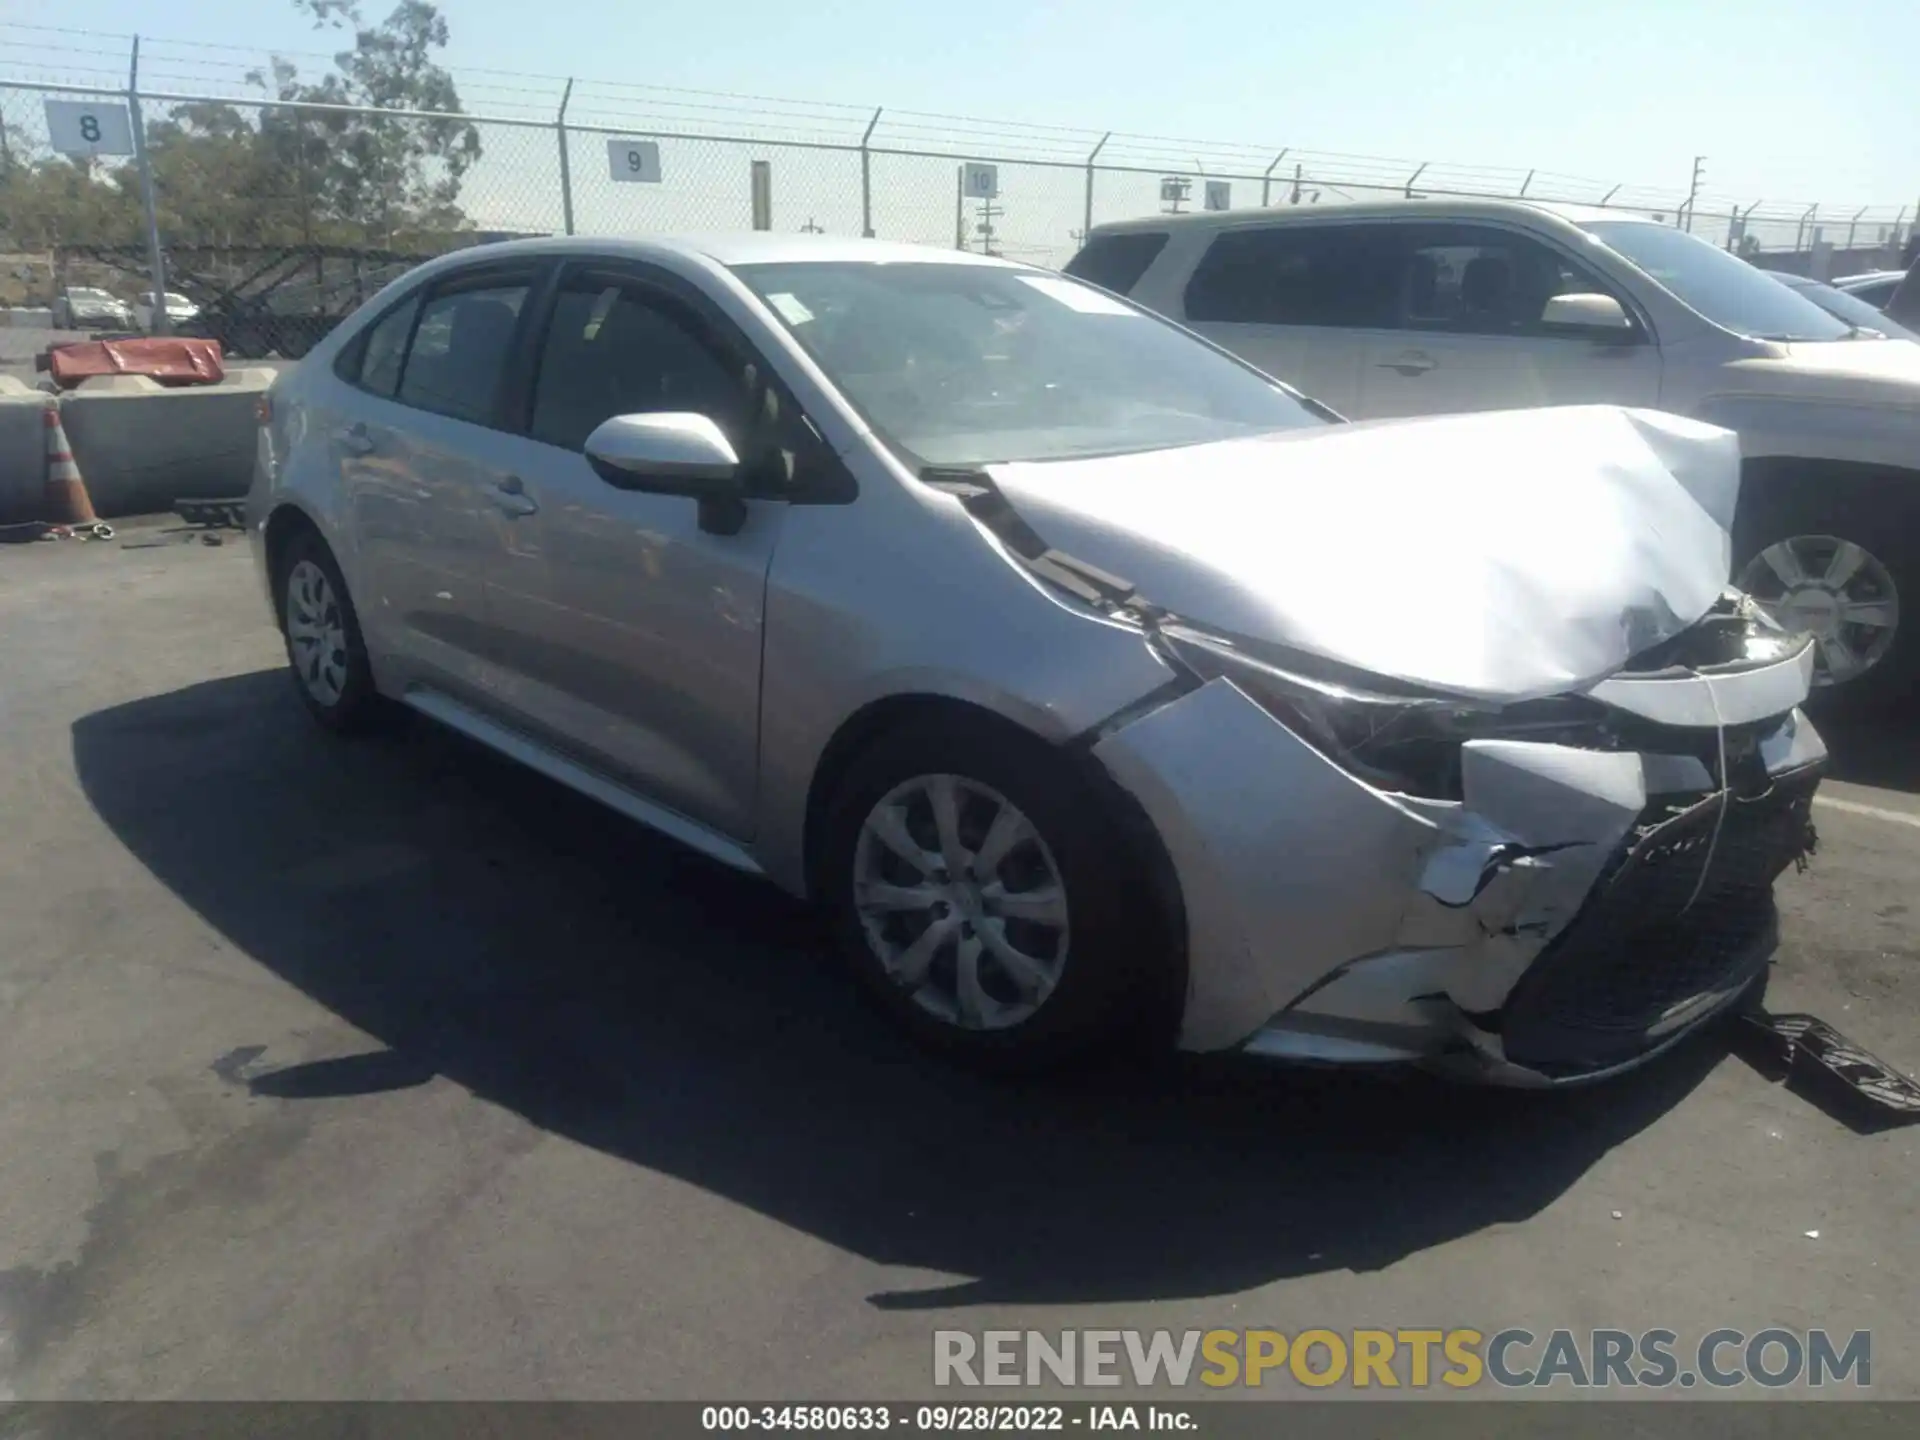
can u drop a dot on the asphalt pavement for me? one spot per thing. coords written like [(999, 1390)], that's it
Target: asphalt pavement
[(382, 1069)]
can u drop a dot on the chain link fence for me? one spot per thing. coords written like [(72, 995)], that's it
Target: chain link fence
[(274, 218)]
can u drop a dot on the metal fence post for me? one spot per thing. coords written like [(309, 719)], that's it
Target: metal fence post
[(1608, 196), (866, 179), (1413, 177), (157, 319), (1266, 178), (1086, 225), (1854, 222), (566, 164)]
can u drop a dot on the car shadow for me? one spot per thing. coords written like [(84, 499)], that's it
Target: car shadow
[(1875, 748), (486, 926)]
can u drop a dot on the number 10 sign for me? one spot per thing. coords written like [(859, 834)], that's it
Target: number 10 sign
[(634, 160)]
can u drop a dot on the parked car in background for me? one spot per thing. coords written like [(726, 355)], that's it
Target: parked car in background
[(179, 310), (1095, 682), (1876, 287), (1431, 307), (1904, 306), (1866, 319), (81, 307)]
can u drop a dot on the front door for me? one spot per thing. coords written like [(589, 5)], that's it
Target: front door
[(1472, 332), (630, 635)]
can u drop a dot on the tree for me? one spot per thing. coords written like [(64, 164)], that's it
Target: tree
[(394, 175), (228, 174)]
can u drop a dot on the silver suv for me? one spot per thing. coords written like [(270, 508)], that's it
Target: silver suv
[(1099, 685)]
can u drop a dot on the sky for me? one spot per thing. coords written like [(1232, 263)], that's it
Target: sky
[(1788, 100)]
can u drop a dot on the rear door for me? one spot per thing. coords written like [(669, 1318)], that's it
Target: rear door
[(423, 475), (1469, 330), (1299, 301)]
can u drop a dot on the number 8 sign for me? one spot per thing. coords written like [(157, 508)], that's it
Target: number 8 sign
[(634, 161), (87, 127)]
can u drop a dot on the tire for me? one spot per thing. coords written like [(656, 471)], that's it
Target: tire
[(326, 655), (1087, 982), (1862, 534)]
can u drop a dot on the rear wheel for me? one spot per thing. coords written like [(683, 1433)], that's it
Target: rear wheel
[(325, 651), (981, 897), (1840, 562)]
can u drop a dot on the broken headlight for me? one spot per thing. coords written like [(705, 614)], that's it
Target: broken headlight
[(1408, 743)]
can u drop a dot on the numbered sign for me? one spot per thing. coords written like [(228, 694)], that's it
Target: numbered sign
[(634, 160), (1219, 195), (87, 127), (980, 182), (1174, 188)]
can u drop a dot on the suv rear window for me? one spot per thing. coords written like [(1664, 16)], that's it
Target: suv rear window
[(1336, 275), (1116, 262)]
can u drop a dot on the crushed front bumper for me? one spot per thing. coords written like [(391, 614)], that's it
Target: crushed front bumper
[(1575, 914)]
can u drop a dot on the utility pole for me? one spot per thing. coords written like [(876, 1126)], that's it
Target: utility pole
[(1693, 192), (989, 212)]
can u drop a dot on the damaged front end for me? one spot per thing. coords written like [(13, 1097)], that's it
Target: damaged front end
[(1538, 893), (1537, 853)]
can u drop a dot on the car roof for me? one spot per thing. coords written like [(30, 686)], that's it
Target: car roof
[(1450, 208), (743, 248)]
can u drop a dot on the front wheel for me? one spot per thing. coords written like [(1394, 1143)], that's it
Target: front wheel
[(982, 897), (1841, 565)]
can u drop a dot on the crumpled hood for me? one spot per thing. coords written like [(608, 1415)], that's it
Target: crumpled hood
[(1496, 555)]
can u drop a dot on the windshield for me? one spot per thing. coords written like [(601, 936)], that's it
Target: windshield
[(1724, 288), (1850, 308), (969, 365)]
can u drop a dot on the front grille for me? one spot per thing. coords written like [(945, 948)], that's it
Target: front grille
[(1652, 937)]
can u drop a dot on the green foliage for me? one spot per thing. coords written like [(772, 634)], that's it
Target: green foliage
[(273, 174)]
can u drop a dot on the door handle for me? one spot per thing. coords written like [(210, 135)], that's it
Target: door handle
[(1414, 362), (512, 498), (355, 440)]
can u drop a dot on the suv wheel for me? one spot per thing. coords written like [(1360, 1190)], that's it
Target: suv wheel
[(979, 893), (325, 650), (1821, 563)]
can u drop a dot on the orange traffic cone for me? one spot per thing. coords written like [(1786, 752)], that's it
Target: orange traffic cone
[(67, 501)]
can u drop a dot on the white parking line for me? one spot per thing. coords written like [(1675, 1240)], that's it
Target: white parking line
[(1874, 812)]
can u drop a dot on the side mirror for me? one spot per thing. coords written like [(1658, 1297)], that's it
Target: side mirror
[(675, 453), (1600, 316)]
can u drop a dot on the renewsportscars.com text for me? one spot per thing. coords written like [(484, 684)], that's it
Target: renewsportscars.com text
[(1416, 1359)]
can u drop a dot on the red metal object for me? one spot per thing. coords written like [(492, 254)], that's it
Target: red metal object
[(166, 359)]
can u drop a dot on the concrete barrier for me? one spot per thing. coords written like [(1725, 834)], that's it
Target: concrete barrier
[(23, 451), (142, 446), (28, 317)]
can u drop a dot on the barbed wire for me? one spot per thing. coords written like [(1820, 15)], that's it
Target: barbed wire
[(61, 54)]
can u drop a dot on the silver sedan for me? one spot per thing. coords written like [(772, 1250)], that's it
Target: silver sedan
[(1100, 686)]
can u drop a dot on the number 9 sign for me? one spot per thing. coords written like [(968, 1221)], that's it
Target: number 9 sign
[(89, 128), (634, 161)]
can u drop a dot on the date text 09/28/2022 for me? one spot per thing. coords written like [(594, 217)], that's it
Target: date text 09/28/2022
[(943, 1419)]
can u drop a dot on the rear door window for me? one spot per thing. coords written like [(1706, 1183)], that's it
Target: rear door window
[(381, 352), (1340, 276), (1116, 262), (460, 349)]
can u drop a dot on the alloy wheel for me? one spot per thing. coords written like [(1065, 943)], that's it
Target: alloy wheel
[(316, 633), (1835, 590), (961, 901)]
